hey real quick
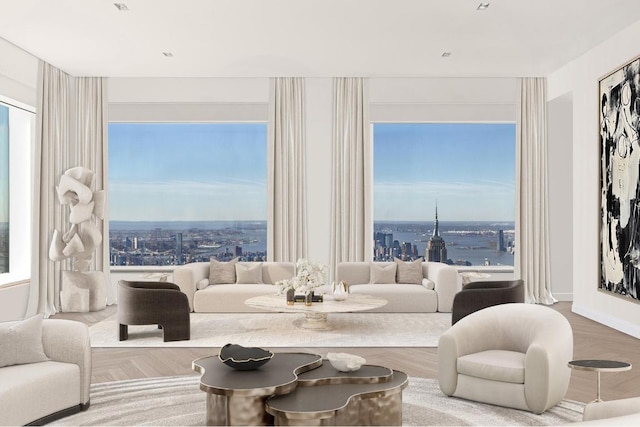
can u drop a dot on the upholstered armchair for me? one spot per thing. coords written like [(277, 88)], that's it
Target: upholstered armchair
[(612, 413), (478, 295), (512, 355), (153, 303)]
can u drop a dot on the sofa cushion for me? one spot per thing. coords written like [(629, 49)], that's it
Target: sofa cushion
[(409, 272), (22, 342), (203, 283), (401, 298), (494, 365), (30, 392), (222, 272), (249, 273), (382, 273)]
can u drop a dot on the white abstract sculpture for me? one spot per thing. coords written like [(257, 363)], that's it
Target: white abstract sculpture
[(80, 241), (83, 236)]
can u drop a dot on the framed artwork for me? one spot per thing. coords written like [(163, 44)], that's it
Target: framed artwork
[(619, 120)]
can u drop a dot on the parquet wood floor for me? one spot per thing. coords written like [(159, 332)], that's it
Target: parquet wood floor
[(591, 341)]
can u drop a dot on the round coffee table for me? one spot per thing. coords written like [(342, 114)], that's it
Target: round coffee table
[(317, 313), (598, 366)]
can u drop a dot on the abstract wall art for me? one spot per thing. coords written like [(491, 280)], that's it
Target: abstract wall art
[(619, 120)]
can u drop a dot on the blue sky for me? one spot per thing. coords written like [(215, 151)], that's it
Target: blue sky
[(4, 163), (186, 171), (168, 172), (467, 168)]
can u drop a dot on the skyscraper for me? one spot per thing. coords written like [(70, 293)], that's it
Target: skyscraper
[(501, 246), (436, 248), (179, 248)]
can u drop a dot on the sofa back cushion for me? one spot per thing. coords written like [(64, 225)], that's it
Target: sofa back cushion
[(273, 271), (222, 272), (21, 342), (409, 272), (249, 273)]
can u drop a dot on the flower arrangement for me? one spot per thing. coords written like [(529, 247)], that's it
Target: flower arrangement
[(310, 277)]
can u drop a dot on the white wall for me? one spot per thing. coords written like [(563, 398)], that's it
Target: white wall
[(580, 78), (560, 182)]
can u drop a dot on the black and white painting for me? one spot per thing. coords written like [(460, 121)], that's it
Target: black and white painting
[(619, 173)]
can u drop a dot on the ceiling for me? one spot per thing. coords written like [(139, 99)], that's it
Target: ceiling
[(312, 38)]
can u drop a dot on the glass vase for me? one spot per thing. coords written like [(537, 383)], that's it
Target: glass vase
[(308, 298), (291, 294)]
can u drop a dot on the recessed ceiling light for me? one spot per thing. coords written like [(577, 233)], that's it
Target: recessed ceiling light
[(121, 6), (446, 54), (483, 6), (168, 54)]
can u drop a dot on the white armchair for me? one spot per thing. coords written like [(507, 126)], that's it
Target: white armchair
[(512, 355), (37, 393)]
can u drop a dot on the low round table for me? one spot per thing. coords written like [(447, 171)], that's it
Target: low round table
[(598, 366), (316, 314)]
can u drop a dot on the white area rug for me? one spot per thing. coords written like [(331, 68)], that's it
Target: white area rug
[(280, 330), (178, 401)]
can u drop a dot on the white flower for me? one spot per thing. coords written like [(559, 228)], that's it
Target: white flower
[(310, 275)]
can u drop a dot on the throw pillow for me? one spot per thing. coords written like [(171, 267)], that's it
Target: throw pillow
[(22, 342), (249, 273), (201, 284), (385, 273), (409, 272), (428, 284), (222, 272)]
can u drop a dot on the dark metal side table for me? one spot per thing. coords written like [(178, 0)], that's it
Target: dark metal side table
[(598, 366)]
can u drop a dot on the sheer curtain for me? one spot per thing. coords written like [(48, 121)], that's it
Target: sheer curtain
[(351, 205), (287, 207), (532, 229), (70, 131)]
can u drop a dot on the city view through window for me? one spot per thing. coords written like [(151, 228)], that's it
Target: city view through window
[(186, 192), (445, 192), (4, 189)]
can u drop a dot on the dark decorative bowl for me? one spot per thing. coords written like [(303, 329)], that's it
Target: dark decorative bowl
[(244, 358)]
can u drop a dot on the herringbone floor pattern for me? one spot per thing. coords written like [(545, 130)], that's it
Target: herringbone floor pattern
[(591, 341)]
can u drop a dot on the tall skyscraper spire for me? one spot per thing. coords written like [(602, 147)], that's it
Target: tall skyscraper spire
[(436, 247)]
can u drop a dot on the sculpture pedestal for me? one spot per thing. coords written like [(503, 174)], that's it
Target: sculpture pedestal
[(83, 291)]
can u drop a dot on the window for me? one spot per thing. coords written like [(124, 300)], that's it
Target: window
[(16, 138), (445, 192), (4, 189), (184, 192)]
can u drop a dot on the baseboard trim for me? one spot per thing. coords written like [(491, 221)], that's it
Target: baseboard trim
[(607, 320), (563, 296)]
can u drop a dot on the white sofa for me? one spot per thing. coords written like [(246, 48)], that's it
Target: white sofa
[(434, 294), (229, 298), (38, 393), (621, 412)]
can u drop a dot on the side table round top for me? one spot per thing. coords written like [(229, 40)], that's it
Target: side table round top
[(599, 365)]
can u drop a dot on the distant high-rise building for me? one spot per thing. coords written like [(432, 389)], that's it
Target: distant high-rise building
[(237, 251), (501, 245), (436, 248), (388, 240), (179, 248)]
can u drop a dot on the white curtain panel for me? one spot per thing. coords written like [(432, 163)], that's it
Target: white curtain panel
[(351, 204), (71, 123), (91, 151), (532, 226), (287, 207), (53, 110)]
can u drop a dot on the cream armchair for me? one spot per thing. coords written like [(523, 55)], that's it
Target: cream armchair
[(621, 412), (38, 393), (512, 355)]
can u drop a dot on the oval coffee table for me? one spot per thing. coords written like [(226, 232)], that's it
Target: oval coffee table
[(316, 314)]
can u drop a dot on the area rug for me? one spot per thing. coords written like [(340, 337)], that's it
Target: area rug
[(281, 330), (178, 401)]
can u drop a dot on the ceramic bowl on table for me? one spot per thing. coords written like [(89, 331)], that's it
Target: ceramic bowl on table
[(244, 358), (345, 362)]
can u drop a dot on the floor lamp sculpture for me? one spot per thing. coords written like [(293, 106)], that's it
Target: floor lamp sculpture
[(81, 290)]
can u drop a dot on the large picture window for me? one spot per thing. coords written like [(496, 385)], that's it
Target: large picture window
[(445, 192), (16, 140), (184, 192), (4, 189)]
